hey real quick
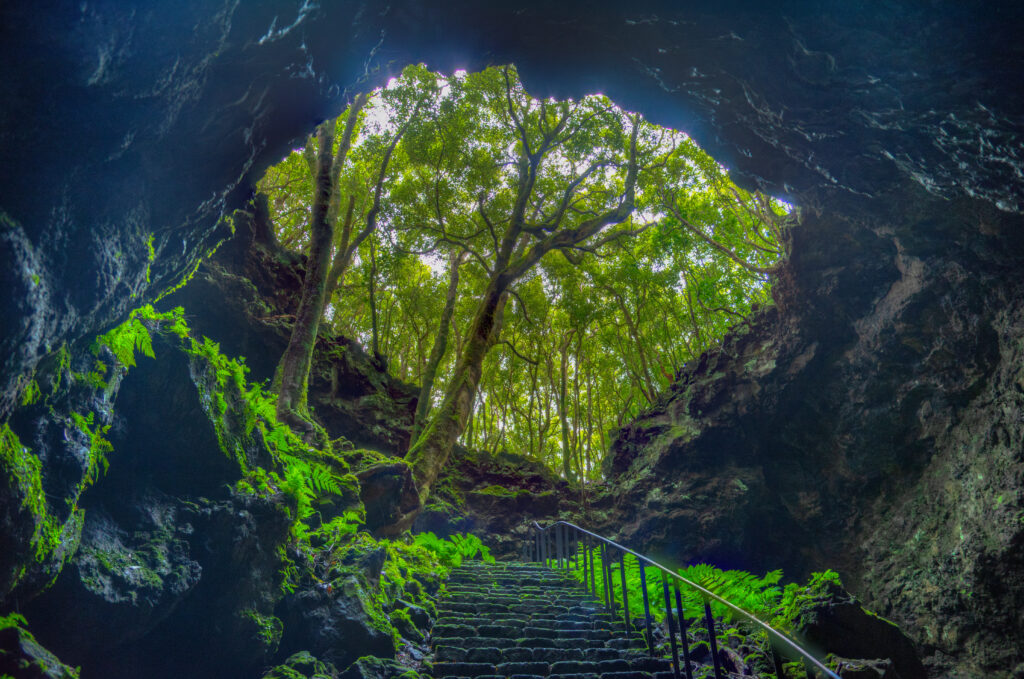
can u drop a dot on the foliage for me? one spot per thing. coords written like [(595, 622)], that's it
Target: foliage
[(453, 550), (99, 447), (24, 476), (126, 339), (761, 596), (592, 333)]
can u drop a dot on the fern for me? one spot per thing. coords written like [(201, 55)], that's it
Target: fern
[(125, 340), (452, 551), (323, 481)]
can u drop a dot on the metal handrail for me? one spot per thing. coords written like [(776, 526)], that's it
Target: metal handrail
[(561, 550)]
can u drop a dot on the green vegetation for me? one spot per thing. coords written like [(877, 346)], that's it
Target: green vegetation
[(268, 629), (761, 596), (543, 268), (24, 478), (452, 551), (20, 651)]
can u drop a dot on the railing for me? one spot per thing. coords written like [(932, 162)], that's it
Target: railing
[(564, 542)]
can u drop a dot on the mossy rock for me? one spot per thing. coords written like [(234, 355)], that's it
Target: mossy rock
[(370, 667), (832, 619), (302, 665), (23, 657)]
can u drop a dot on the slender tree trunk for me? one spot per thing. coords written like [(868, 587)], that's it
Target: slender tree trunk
[(375, 347), (440, 346), (563, 406), (634, 333), (293, 370)]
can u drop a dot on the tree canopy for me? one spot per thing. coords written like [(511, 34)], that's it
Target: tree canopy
[(541, 267)]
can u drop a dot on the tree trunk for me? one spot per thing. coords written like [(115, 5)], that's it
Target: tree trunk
[(293, 370), (430, 452), (375, 346), (440, 346), (563, 406)]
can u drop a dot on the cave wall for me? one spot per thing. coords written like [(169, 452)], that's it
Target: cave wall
[(130, 129), (870, 422)]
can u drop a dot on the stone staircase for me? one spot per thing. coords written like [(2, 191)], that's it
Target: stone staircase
[(526, 621)]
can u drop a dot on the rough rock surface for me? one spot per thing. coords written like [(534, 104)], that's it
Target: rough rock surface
[(23, 657), (165, 552), (869, 423)]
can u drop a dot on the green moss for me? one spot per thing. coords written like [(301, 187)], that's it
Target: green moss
[(268, 628), (30, 393), (24, 476), (499, 491), (99, 447), (302, 665), (20, 651), (150, 256)]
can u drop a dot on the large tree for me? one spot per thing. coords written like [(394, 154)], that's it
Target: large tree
[(541, 268)]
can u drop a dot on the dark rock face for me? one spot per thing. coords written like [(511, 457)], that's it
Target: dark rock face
[(873, 420), (337, 623), (865, 423)]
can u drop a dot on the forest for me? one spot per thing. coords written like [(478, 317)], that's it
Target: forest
[(540, 268)]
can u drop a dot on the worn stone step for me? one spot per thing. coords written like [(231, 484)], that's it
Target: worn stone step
[(500, 631), (510, 669), (574, 667), (601, 653), (650, 664), (543, 642), (485, 654), (462, 669), (473, 642), (553, 655)]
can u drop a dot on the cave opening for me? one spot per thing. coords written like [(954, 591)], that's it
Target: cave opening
[(440, 170)]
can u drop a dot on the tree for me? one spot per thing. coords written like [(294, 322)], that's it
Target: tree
[(293, 371), (544, 206)]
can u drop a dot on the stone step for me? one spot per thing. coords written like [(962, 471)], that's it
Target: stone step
[(510, 621)]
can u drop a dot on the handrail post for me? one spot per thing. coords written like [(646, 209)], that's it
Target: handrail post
[(647, 608), (565, 546), (575, 549), (558, 547), (780, 673), (712, 641), (625, 595), (609, 593), (593, 574), (683, 629), (671, 627), (586, 571)]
